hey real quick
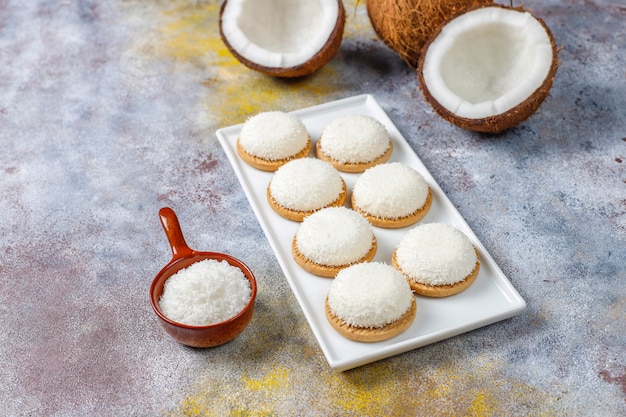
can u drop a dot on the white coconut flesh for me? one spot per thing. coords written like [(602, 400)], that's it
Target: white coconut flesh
[(487, 61), (279, 33)]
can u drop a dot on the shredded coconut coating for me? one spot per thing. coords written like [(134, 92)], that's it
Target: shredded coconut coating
[(369, 294), (306, 184), (334, 236), (205, 292), (355, 139), (436, 254), (390, 190), (273, 135)]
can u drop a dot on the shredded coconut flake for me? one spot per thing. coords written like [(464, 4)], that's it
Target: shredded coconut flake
[(334, 236), (273, 135), (204, 293), (306, 184), (390, 190), (370, 294), (355, 139), (436, 254)]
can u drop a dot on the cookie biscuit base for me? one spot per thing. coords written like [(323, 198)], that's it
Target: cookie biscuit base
[(270, 165), (327, 271), (297, 215), (353, 167), (438, 291), (399, 222), (374, 334)]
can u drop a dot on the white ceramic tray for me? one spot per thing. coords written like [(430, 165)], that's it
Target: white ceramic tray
[(490, 299)]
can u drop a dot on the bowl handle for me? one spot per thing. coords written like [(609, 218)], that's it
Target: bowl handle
[(174, 234)]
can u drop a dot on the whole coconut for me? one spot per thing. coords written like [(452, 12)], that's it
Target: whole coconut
[(406, 25)]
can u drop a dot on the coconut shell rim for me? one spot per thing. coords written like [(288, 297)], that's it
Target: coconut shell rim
[(321, 58), (507, 119)]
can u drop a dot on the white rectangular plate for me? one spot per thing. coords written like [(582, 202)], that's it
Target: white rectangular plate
[(491, 298)]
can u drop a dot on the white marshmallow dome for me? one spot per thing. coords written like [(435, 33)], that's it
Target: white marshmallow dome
[(487, 61), (281, 34)]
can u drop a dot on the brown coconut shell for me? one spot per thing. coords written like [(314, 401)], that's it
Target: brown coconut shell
[(502, 121), (406, 25), (321, 58)]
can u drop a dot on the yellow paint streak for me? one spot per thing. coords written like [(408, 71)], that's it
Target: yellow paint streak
[(240, 93), (482, 405), (245, 412), (192, 35), (406, 389), (400, 387), (191, 407), (374, 390), (272, 381)]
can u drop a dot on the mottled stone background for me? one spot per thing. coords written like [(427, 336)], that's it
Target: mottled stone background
[(108, 111)]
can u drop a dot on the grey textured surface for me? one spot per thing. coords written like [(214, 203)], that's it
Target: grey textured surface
[(108, 111)]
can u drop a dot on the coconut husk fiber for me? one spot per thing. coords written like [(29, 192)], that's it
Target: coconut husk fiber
[(406, 25)]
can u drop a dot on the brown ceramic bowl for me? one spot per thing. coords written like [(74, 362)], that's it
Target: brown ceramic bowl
[(197, 336)]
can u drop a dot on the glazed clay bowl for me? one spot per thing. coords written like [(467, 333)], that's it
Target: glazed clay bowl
[(182, 256)]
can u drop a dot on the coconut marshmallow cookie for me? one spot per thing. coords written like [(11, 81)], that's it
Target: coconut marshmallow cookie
[(391, 195), (205, 292), (437, 259), (303, 186), (370, 302), (270, 139), (354, 143), (332, 239)]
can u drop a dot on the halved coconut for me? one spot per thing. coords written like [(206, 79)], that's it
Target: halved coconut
[(282, 38), (489, 68)]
